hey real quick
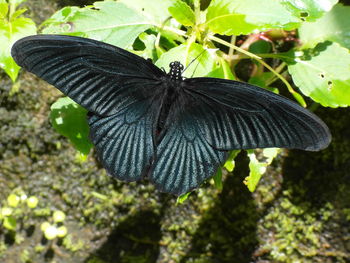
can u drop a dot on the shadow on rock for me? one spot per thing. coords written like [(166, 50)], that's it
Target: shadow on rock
[(136, 239), (319, 177), (227, 232), (320, 182)]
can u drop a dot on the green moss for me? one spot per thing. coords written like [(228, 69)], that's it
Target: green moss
[(296, 232)]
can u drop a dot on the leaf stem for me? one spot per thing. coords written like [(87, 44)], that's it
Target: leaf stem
[(295, 94), (225, 43), (279, 70), (231, 50), (197, 11), (174, 30)]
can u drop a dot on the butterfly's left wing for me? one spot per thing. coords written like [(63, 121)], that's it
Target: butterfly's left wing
[(213, 116), (236, 115)]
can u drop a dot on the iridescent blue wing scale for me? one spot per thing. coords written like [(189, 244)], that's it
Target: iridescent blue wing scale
[(214, 116), (94, 74), (124, 142), (235, 115), (118, 88), (184, 158), (177, 141)]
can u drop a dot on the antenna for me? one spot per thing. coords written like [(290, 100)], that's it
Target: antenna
[(192, 62)]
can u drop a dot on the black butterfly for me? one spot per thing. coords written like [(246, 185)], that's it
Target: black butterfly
[(176, 131)]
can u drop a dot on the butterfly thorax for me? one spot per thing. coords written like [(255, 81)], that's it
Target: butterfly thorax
[(175, 72), (174, 85)]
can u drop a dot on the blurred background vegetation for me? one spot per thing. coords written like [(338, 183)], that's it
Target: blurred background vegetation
[(58, 205)]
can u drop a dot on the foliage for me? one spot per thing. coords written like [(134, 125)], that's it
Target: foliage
[(181, 30), (19, 212), (15, 210), (75, 126), (54, 228), (12, 28), (320, 78), (211, 226), (258, 168)]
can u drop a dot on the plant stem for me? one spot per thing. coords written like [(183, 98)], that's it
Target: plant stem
[(295, 94), (225, 43)]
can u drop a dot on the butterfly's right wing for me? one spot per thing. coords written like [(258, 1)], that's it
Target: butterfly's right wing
[(118, 88), (100, 77), (124, 142)]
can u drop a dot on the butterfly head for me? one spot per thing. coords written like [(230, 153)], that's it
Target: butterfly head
[(175, 70)]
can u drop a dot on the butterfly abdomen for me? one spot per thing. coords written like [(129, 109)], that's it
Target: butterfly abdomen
[(171, 100), (167, 100)]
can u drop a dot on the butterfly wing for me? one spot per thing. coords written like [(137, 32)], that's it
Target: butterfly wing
[(117, 87), (124, 142), (213, 116), (98, 76), (235, 115), (184, 158)]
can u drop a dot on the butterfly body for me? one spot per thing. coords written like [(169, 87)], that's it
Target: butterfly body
[(147, 123), (174, 90)]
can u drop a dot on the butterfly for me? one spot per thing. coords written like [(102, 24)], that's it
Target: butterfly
[(173, 130)]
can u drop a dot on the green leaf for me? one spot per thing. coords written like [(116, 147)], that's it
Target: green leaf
[(62, 231), (319, 77), (10, 32), (230, 162), (245, 16), (118, 23), (16, 2), (260, 47), (69, 119), (263, 80), (258, 168), (3, 10), (13, 200), (182, 13), (149, 42), (182, 198), (202, 60), (6, 211), (18, 13), (334, 26), (10, 223), (218, 179), (224, 71), (58, 216), (309, 10), (32, 202), (229, 165), (51, 232), (270, 154), (156, 11)]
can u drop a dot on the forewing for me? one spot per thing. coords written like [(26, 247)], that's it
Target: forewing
[(235, 115), (123, 141), (96, 75), (184, 158)]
